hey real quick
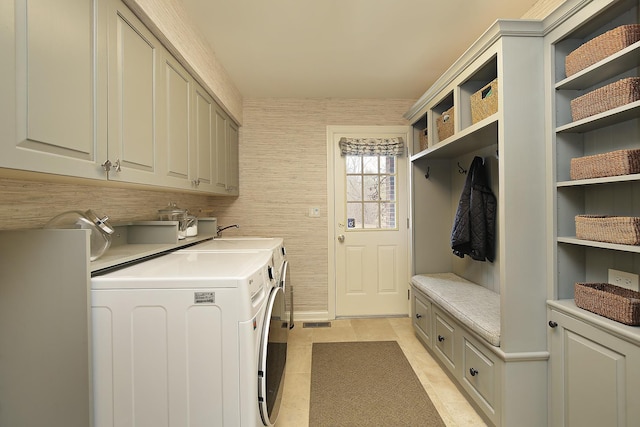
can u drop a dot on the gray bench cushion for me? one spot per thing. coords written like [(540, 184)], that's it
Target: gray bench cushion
[(474, 306)]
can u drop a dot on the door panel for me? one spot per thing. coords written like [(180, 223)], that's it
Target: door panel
[(370, 226)]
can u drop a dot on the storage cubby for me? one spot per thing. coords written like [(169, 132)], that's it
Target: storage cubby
[(442, 115), (509, 141)]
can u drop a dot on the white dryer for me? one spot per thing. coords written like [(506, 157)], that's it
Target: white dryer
[(273, 244), (177, 341)]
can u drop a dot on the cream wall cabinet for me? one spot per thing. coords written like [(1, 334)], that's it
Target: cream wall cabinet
[(511, 142), (53, 86), (135, 66), (593, 372), (94, 94)]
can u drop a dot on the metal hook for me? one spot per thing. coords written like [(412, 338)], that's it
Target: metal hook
[(426, 175), (461, 170)]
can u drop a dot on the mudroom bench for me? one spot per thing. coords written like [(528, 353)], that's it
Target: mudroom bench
[(458, 321)]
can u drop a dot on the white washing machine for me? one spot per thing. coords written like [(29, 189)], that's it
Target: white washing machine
[(179, 340), (273, 244)]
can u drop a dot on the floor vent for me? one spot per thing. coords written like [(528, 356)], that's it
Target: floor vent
[(316, 325)]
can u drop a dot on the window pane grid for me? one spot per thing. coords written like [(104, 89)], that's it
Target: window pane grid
[(371, 192)]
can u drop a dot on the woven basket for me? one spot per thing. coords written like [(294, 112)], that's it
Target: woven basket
[(610, 301), (484, 102), (444, 124), (613, 95), (424, 138), (601, 47), (624, 230), (614, 163)]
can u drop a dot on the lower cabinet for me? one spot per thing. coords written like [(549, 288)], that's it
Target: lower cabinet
[(507, 389), (594, 374)]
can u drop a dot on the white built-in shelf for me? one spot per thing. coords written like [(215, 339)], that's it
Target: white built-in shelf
[(611, 117), (601, 245), (593, 181), (479, 135), (600, 71)]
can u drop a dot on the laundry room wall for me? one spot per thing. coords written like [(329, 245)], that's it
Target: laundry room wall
[(283, 172)]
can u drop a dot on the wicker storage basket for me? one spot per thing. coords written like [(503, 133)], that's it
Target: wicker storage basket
[(424, 138), (444, 124), (624, 230), (605, 98), (610, 301), (614, 163), (601, 47), (484, 102)]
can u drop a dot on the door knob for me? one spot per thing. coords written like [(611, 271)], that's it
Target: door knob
[(341, 238)]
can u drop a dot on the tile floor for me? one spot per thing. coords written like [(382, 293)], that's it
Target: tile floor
[(294, 412)]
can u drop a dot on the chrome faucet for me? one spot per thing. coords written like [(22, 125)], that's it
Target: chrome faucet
[(221, 229)]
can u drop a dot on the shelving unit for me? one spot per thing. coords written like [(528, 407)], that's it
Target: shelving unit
[(511, 143), (578, 338)]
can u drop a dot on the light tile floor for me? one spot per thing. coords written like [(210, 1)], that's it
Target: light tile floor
[(294, 412)]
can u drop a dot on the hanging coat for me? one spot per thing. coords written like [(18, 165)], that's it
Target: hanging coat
[(474, 227)]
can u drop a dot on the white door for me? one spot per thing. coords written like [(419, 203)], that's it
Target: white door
[(370, 234)]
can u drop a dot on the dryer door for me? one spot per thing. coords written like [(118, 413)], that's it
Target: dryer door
[(273, 357), (288, 290)]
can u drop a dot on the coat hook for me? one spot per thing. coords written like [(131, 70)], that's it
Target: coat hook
[(461, 170), (426, 175)]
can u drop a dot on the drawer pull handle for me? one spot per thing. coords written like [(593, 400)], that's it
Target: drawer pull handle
[(440, 338), (473, 372), (552, 324), (418, 316)]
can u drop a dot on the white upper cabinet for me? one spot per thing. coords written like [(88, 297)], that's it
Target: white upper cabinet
[(134, 66), (87, 90), (53, 87), (177, 153), (233, 178)]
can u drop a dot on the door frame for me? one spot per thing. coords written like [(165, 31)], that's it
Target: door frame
[(356, 131)]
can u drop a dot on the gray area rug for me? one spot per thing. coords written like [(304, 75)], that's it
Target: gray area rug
[(368, 383)]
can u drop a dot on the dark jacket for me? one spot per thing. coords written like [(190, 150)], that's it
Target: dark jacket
[(474, 227)]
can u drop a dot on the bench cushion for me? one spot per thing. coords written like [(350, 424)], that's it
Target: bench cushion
[(474, 306)]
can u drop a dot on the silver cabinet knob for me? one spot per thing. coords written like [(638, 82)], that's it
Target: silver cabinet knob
[(341, 238)]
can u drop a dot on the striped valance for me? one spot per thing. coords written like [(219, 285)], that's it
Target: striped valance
[(371, 146)]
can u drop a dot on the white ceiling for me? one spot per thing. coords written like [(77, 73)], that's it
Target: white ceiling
[(343, 48)]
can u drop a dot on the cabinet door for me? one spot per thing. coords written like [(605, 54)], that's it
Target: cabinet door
[(233, 176), (205, 137), (175, 152), (594, 376), (53, 87), (134, 64), (422, 317), (220, 168)]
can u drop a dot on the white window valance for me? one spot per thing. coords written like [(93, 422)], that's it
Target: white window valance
[(371, 146)]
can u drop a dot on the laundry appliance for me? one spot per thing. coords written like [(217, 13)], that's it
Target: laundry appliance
[(273, 244), (184, 339)]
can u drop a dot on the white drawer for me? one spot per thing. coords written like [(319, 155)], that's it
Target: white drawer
[(444, 337), (422, 317), (479, 373)]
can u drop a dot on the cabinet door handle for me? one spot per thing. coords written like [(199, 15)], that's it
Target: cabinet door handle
[(552, 324), (473, 372), (440, 338), (418, 316)]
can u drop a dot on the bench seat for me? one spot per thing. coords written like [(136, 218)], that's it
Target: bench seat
[(474, 306)]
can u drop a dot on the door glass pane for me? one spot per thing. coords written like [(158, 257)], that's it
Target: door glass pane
[(371, 187), (388, 187), (354, 188), (371, 215), (354, 216), (353, 164), (387, 164), (370, 164), (387, 215)]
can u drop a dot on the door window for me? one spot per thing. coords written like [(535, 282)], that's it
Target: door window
[(371, 192)]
